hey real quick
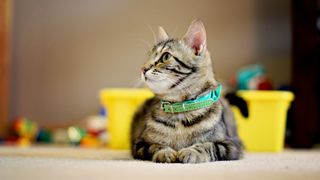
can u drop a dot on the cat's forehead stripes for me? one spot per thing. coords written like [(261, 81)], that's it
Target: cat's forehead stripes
[(161, 45)]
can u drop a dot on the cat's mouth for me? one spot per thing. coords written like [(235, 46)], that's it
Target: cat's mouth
[(154, 81), (152, 78)]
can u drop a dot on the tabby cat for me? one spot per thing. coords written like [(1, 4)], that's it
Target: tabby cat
[(180, 71)]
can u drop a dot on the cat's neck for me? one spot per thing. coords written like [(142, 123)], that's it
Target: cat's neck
[(190, 93)]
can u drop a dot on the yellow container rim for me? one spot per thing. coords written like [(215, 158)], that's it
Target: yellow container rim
[(124, 93), (266, 95)]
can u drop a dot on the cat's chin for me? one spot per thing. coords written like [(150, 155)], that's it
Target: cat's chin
[(158, 90), (157, 87)]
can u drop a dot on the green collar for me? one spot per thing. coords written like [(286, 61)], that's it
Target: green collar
[(190, 105)]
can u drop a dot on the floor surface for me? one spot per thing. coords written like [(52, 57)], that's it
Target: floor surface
[(52, 163)]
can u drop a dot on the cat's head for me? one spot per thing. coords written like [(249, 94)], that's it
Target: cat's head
[(178, 65)]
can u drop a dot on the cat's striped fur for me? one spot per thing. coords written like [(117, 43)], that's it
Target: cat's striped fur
[(179, 70)]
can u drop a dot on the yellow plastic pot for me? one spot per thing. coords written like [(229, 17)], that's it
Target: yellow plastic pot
[(121, 105), (264, 129)]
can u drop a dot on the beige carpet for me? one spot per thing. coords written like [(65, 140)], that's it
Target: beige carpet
[(54, 163)]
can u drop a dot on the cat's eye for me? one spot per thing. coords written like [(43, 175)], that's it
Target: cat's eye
[(165, 56)]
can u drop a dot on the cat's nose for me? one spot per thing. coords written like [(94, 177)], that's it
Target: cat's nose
[(144, 70)]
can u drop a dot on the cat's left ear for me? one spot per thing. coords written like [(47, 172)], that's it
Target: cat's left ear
[(196, 37), (162, 34)]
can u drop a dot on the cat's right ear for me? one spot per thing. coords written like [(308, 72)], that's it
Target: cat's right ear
[(162, 34)]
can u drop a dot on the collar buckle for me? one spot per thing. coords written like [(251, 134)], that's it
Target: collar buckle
[(163, 104)]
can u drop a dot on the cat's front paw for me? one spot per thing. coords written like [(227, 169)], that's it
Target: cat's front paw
[(190, 155), (166, 155)]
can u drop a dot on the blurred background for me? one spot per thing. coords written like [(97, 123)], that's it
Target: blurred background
[(61, 53), (64, 52)]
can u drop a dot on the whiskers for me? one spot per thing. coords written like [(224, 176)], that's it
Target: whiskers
[(138, 83), (144, 42), (148, 44), (153, 34)]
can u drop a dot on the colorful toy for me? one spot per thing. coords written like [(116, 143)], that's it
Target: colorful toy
[(76, 134), (25, 128), (60, 136), (24, 142), (90, 141), (26, 131), (96, 130), (95, 125), (252, 78), (44, 136), (90, 133)]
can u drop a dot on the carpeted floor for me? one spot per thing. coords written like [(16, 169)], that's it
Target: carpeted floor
[(52, 163)]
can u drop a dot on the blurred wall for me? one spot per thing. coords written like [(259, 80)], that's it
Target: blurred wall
[(64, 52)]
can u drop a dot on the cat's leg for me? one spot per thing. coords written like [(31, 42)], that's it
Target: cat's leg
[(155, 152), (210, 151)]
